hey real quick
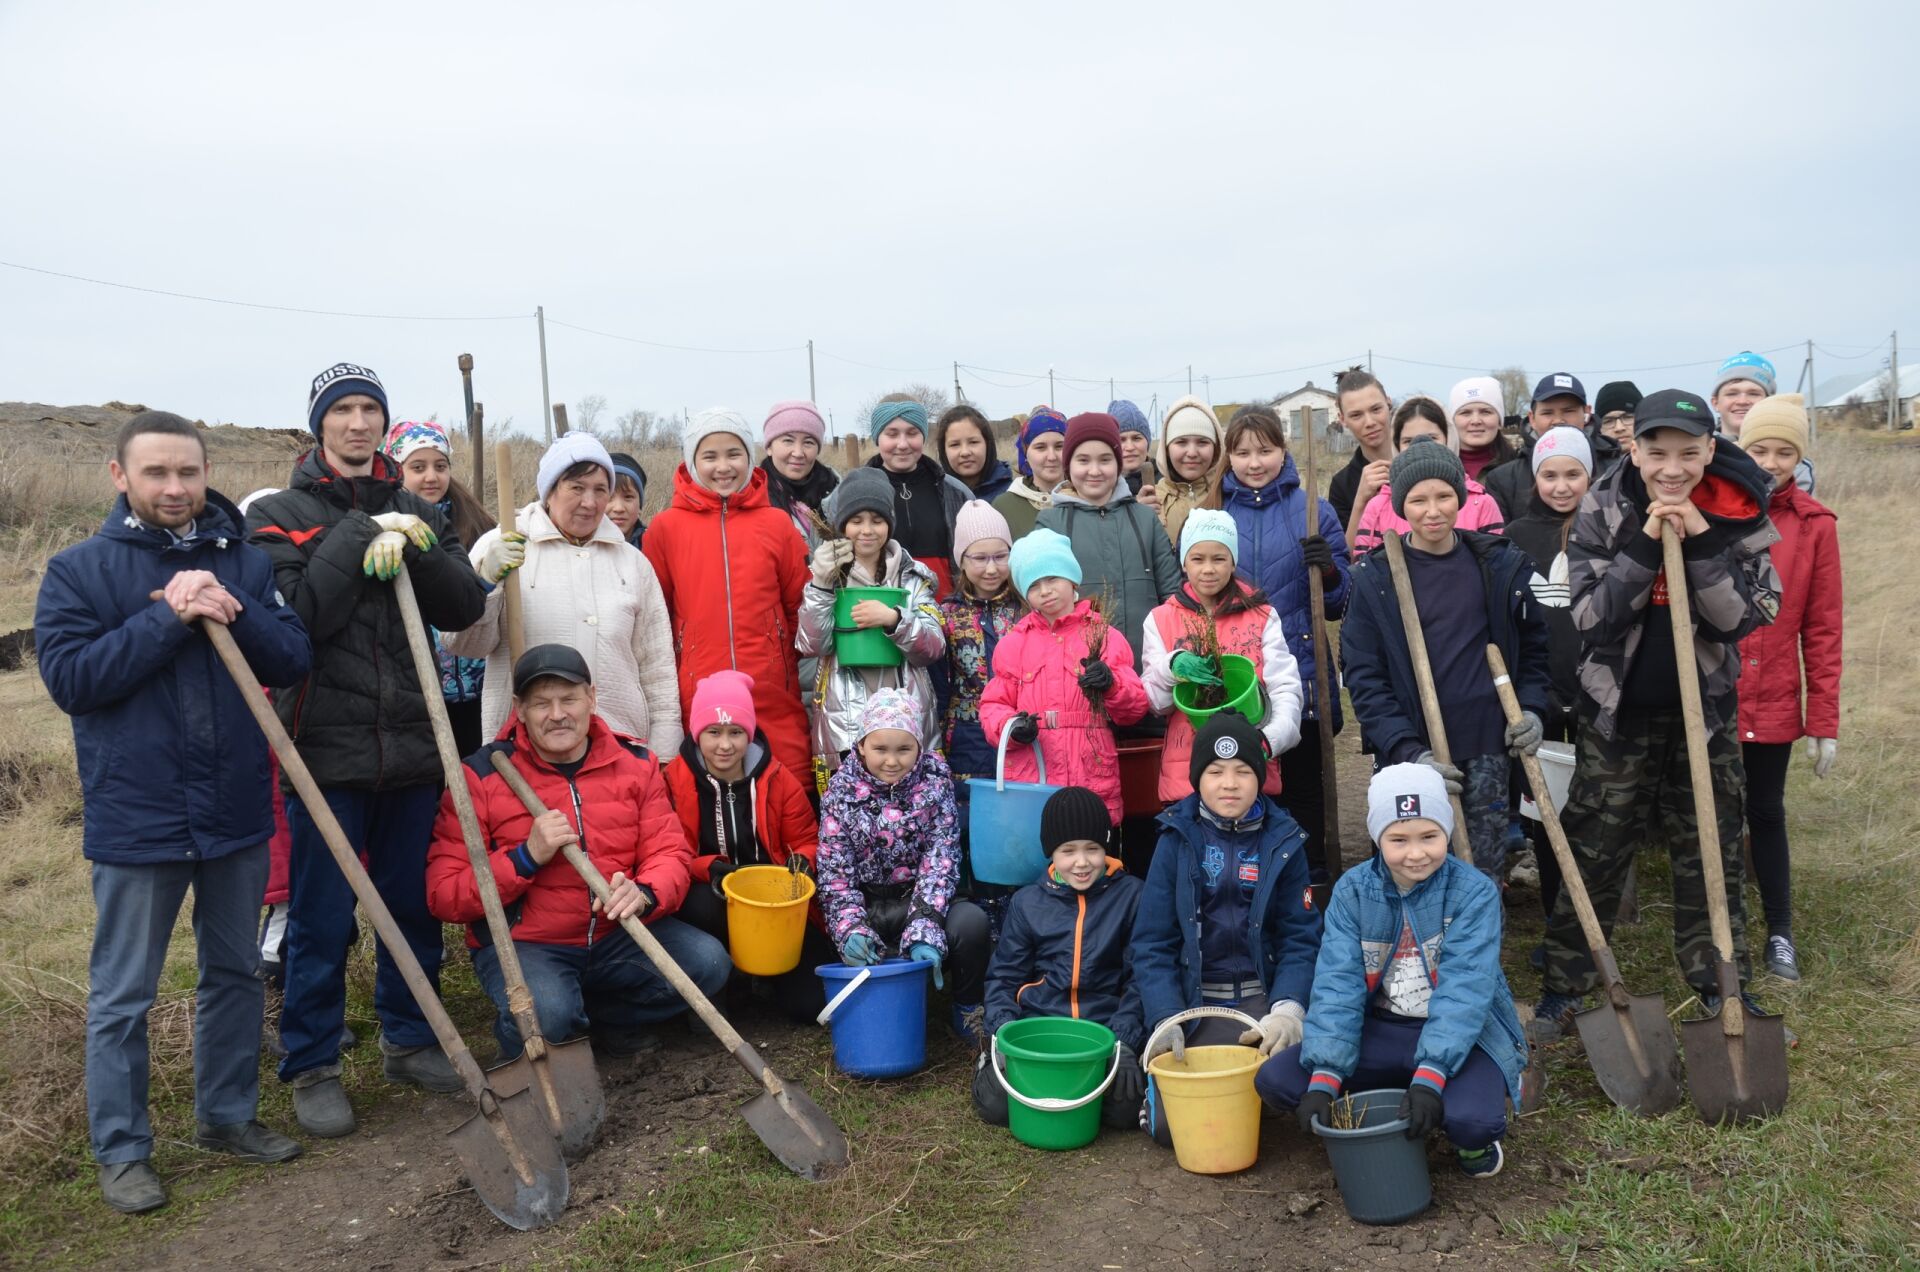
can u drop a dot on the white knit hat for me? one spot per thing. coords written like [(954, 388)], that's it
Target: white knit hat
[(566, 451), (1477, 388), (715, 419), (1209, 525)]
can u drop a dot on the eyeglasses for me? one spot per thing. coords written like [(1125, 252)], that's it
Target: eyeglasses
[(1613, 419), (998, 558)]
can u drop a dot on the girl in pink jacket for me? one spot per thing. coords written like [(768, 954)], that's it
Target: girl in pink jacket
[(1061, 678), (1421, 417)]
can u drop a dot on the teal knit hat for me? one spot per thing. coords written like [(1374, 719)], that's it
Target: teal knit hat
[(1043, 554)]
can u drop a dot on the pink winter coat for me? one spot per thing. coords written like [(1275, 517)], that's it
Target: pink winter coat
[(1806, 631), (1480, 512), (1036, 669)]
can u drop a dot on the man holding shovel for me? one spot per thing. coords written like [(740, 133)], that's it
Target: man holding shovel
[(1631, 781), (174, 777)]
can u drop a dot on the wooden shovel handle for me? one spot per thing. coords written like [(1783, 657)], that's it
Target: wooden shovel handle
[(1423, 677), (509, 586), (1322, 673)]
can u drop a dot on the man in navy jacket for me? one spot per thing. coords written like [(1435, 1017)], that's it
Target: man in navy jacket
[(176, 786)]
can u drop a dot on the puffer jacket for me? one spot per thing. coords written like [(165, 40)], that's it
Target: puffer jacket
[(761, 820), (1457, 922), (359, 716), (731, 571), (904, 836), (1479, 512), (1036, 670), (926, 532), (839, 694), (1283, 928), (1123, 553), (1271, 522), (1806, 630), (601, 598), (973, 629), (1067, 953), (617, 804), (172, 766), (1613, 569), (1511, 483)]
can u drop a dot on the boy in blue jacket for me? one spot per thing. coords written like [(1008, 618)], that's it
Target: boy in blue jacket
[(1408, 991), (1064, 951)]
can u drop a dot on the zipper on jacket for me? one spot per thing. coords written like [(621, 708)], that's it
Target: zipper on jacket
[(726, 572), (1079, 929), (580, 829)]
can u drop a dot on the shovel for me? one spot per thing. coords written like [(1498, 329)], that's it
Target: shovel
[(1628, 1040), (785, 1118), (562, 1077), (512, 1160), (1736, 1059), (1423, 677), (1322, 680), (509, 586)]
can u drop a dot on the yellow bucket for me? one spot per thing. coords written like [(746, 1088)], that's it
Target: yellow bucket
[(1212, 1109), (766, 918)]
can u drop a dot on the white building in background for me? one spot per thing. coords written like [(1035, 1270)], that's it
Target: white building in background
[(1871, 393), (1328, 436)]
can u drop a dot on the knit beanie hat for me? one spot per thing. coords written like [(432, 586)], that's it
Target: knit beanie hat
[(1745, 365), (715, 419), (1562, 440), (978, 520), (1424, 459), (891, 709), (1072, 813), (862, 490), (1093, 426), (343, 379), (725, 697), (1615, 395), (1782, 418), (566, 451), (1043, 554), (1190, 417), (1208, 525), (1130, 418), (1401, 792), (625, 465), (1043, 420), (408, 436), (1482, 389), (1228, 736), (887, 412), (794, 417)]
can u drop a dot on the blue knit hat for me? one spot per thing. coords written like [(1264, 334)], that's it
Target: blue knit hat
[(1043, 554), (1130, 418), (1745, 365), (887, 412), (1209, 525), (1043, 420), (343, 379)]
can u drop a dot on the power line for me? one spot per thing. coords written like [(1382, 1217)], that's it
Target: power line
[(872, 367), (660, 344), (1848, 356), (250, 304)]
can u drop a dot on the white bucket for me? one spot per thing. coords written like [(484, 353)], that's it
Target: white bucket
[(1556, 765)]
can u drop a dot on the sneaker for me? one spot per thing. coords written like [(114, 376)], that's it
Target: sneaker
[(970, 1024), (322, 1108), (131, 1187), (1781, 959), (1485, 1163), (1523, 870), (1553, 1017), (249, 1141), (426, 1067), (1710, 1005)]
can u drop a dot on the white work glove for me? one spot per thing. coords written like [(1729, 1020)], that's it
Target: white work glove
[(828, 558), (418, 532), (384, 555), (508, 552), (1448, 773), (1284, 1025), (1821, 751), (1523, 736)]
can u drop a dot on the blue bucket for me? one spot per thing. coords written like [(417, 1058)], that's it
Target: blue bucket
[(1003, 829), (881, 1031)]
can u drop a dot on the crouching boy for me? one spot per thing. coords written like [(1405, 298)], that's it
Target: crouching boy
[(1408, 990), (1065, 951)]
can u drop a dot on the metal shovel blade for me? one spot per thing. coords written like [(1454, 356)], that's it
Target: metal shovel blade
[(576, 1087), (1736, 1077), (1633, 1054), (513, 1162), (797, 1132)]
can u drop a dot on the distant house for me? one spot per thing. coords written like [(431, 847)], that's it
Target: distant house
[(1329, 437), (1868, 398)]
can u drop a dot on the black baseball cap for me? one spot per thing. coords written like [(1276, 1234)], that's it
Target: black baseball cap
[(1560, 384), (563, 661), (1673, 408)]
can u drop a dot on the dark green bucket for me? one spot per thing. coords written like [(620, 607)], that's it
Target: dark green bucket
[(865, 646), (1057, 1071), (1243, 693)]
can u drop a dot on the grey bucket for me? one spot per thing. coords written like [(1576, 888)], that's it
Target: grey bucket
[(1382, 1174)]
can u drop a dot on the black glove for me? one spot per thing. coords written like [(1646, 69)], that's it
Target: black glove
[(1129, 1081), (1317, 553), (1024, 729), (721, 869), (1317, 1102), (1421, 1107), (1095, 676)]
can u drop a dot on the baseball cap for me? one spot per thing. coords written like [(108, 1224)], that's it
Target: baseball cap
[(1559, 384), (563, 661), (1673, 408)]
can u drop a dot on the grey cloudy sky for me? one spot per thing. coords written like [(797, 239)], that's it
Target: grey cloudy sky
[(1112, 189)]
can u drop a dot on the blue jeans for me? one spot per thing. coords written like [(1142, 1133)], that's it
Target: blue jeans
[(136, 907), (610, 985), (391, 829)]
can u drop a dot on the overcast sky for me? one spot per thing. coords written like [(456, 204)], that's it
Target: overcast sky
[(1108, 189)]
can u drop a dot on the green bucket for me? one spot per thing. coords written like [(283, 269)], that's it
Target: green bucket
[(1244, 693), (865, 646), (1057, 1071)]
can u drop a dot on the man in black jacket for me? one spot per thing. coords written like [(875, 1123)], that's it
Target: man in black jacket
[(1558, 399), (336, 536)]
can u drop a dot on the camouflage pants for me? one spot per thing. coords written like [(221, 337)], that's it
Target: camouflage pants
[(1483, 797), (1636, 789)]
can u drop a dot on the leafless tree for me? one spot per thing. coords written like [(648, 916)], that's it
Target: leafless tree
[(587, 412), (640, 428), (1514, 389), (934, 400)]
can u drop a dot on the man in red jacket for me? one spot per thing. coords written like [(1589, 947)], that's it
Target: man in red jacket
[(604, 793)]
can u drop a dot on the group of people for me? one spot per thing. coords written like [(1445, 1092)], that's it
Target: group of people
[(682, 709)]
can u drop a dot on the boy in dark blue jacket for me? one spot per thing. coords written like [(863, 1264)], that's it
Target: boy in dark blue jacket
[(1408, 990), (1064, 951)]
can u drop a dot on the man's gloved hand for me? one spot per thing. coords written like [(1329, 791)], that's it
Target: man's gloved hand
[(718, 871), (1190, 668), (1095, 676), (1280, 1028), (921, 952), (1448, 773), (1317, 553), (1523, 736), (418, 532), (384, 555), (1821, 751), (860, 950), (828, 559), (1024, 729), (508, 552), (1129, 1080), (1421, 1107), (1316, 1103)]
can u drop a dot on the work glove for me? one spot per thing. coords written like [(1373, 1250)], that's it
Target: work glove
[(1821, 752), (1280, 1028), (1524, 734), (828, 559), (1448, 773), (1421, 1107), (1316, 1103), (384, 555), (1024, 729), (720, 870), (921, 952), (1190, 668), (508, 552), (860, 950), (418, 532), (1129, 1080), (1317, 553), (1095, 676)]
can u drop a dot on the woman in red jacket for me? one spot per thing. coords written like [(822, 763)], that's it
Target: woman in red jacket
[(731, 567), (1806, 633)]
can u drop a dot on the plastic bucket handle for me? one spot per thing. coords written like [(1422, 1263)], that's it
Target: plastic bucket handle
[(1181, 1018), (826, 1013), (1050, 1103), (1000, 764)]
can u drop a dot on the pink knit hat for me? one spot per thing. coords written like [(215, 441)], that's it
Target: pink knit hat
[(725, 697), (793, 417), (978, 520)]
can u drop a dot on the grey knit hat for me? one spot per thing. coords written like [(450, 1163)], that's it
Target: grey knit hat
[(1424, 459), (862, 490)]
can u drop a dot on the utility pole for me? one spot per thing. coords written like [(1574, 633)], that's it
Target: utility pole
[(1813, 398), (1189, 379), (1109, 388), (546, 399), (1893, 386), (1369, 362), (959, 394), (1049, 385), (813, 394), (1206, 387)]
